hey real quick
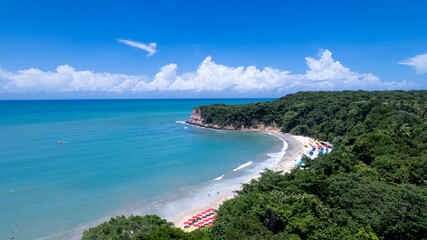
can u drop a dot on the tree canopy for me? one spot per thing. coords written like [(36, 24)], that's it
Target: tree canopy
[(372, 186)]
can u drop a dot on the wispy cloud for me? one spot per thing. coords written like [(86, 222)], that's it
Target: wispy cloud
[(150, 48), (323, 73), (419, 62)]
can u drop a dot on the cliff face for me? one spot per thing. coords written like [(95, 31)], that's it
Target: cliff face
[(196, 119)]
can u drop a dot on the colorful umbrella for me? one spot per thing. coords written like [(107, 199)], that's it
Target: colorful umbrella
[(186, 223)]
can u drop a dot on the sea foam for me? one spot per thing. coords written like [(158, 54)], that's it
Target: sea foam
[(219, 178), (242, 166)]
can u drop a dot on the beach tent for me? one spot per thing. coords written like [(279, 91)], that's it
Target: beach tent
[(328, 144)]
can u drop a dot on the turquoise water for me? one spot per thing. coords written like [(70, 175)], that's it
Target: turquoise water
[(118, 156)]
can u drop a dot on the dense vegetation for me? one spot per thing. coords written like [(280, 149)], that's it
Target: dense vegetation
[(372, 186)]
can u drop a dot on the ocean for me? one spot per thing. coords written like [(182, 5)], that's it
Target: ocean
[(117, 157)]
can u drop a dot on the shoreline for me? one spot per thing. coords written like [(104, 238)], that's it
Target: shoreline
[(292, 155), (287, 162)]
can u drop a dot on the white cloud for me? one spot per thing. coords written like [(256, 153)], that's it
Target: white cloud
[(323, 73), (150, 48), (419, 62)]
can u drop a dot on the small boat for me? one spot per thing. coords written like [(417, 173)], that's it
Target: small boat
[(59, 142)]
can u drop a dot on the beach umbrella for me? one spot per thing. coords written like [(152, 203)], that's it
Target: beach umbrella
[(186, 226), (196, 225), (191, 229), (199, 215), (191, 220), (215, 218), (186, 223), (206, 220), (210, 224)]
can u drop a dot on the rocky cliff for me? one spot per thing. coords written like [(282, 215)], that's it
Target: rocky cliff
[(196, 119)]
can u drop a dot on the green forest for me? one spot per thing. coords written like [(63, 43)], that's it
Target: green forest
[(371, 186)]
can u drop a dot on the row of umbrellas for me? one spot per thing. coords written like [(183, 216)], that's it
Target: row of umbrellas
[(204, 219)]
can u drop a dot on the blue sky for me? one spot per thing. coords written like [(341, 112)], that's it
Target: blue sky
[(72, 49)]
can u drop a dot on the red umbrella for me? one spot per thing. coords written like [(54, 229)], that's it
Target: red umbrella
[(190, 220), (210, 224), (203, 213), (211, 218), (210, 209), (194, 217), (199, 215), (206, 220), (196, 225), (186, 223), (214, 218)]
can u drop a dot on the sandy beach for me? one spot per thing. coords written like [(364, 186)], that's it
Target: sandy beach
[(290, 159)]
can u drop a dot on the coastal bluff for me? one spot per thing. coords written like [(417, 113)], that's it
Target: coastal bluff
[(197, 119)]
